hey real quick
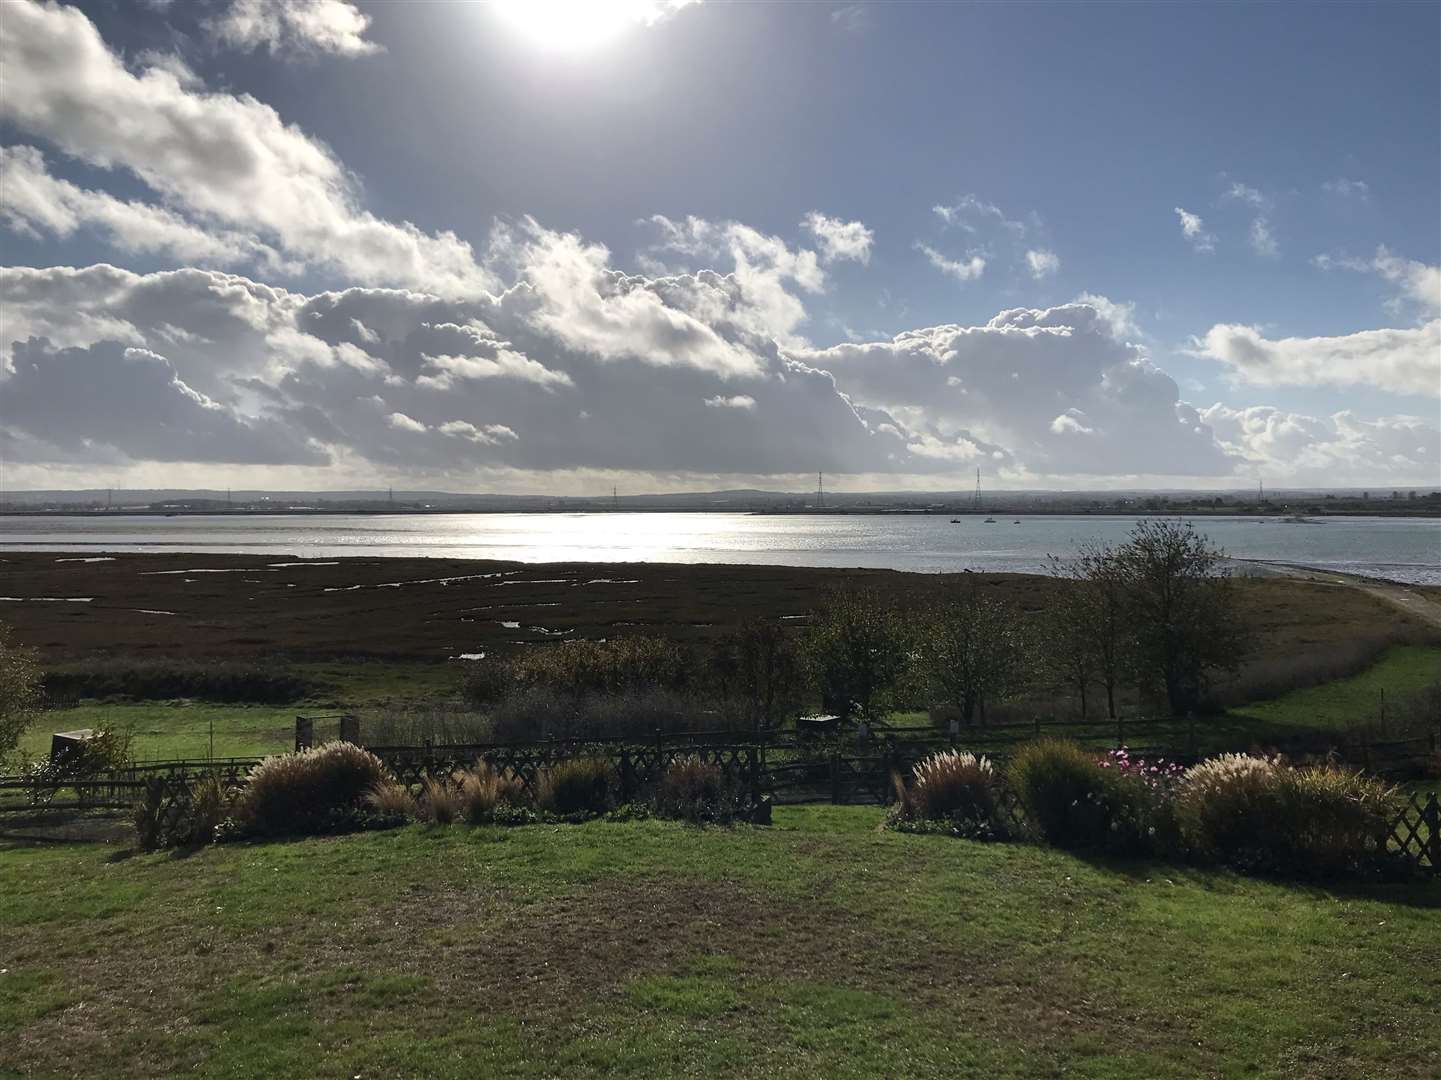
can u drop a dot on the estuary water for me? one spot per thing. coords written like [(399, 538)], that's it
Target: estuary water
[(1402, 549)]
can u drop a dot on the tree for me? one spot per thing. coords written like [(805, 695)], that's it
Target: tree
[(19, 692), (856, 652), (1090, 630), (1181, 604), (1066, 638), (756, 666), (972, 650)]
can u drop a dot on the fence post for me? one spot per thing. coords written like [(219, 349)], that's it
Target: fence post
[(304, 733), (1431, 814), (836, 773), (627, 782)]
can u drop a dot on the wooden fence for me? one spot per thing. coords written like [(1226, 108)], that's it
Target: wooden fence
[(787, 769)]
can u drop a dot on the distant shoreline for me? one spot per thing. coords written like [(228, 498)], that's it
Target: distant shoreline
[(985, 511)]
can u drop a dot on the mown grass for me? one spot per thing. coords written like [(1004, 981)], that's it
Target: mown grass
[(818, 947), (1350, 702), (182, 728)]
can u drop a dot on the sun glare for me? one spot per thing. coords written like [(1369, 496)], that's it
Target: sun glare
[(578, 25)]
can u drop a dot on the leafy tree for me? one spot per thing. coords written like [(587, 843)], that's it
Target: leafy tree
[(972, 649), (19, 691), (1066, 637), (757, 667), (1182, 607), (1090, 631), (856, 652)]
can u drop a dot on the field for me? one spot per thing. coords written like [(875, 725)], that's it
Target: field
[(817, 947), (431, 609), (376, 633)]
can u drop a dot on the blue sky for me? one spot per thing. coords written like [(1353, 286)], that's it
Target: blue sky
[(1059, 142)]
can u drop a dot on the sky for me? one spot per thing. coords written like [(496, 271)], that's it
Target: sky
[(555, 247)]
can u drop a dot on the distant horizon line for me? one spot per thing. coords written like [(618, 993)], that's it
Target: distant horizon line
[(609, 496)]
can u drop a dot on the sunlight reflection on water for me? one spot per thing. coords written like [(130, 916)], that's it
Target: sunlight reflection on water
[(1407, 549)]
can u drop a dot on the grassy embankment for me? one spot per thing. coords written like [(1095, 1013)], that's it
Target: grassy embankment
[(819, 946)]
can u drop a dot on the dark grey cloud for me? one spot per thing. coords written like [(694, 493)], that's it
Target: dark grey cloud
[(131, 400)]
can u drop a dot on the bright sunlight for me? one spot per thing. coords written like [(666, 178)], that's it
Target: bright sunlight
[(579, 25)]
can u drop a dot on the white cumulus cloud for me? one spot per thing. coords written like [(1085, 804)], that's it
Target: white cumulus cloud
[(839, 239), (1403, 361), (294, 26), (223, 159)]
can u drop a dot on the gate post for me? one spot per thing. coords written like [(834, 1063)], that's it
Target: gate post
[(304, 733)]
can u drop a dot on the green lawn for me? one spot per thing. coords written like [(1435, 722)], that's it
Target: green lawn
[(1404, 669), (182, 729), (818, 947)]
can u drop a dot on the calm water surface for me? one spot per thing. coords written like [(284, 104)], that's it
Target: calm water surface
[(1405, 549)]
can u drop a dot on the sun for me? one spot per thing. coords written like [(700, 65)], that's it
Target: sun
[(578, 25)]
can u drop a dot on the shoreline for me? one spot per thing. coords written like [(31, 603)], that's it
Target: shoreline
[(1236, 513)]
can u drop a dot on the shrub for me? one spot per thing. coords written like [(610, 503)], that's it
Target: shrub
[(391, 800), (188, 823), (1137, 801), (106, 750), (161, 679), (1226, 804), (20, 694), (206, 811), (546, 714), (856, 651), (694, 790), (954, 788), (756, 669), (439, 802), (1331, 820), (576, 786), (1315, 820), (486, 682), (304, 791), (440, 723), (1061, 787), (483, 789), (951, 783), (147, 815), (579, 668)]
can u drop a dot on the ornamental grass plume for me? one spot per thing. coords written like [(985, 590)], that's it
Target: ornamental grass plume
[(483, 788), (576, 786), (290, 793), (439, 801), (1227, 803), (391, 799), (954, 783)]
